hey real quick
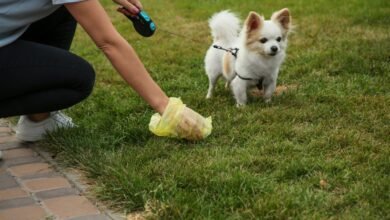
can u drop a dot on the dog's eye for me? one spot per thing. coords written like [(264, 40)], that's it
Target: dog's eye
[(263, 40), (278, 39)]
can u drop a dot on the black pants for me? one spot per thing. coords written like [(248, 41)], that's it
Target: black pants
[(38, 73)]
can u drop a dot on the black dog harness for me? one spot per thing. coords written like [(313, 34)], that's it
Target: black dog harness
[(234, 52)]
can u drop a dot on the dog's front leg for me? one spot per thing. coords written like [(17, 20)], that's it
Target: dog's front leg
[(269, 86), (239, 88)]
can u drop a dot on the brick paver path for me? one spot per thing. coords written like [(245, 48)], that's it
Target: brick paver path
[(32, 189)]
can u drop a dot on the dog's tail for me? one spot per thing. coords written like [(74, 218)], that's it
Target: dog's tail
[(225, 27)]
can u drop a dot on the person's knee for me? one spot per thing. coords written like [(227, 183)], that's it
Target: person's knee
[(89, 75), (86, 75)]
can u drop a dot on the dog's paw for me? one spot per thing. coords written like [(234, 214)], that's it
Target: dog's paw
[(267, 101), (208, 96), (240, 105)]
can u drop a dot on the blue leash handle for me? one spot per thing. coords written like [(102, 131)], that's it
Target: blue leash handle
[(143, 24)]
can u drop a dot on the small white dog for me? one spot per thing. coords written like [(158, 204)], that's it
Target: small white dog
[(253, 55)]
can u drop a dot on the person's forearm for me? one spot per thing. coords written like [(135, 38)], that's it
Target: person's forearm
[(127, 63), (92, 17)]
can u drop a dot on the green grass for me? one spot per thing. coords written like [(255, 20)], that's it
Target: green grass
[(264, 161)]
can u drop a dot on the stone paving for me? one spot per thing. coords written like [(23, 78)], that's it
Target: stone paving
[(32, 188)]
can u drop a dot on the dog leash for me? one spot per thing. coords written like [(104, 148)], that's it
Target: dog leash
[(144, 25), (233, 51), (181, 36)]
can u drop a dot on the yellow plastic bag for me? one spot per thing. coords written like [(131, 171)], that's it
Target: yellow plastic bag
[(181, 122)]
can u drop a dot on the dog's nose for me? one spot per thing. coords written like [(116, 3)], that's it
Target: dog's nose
[(274, 48)]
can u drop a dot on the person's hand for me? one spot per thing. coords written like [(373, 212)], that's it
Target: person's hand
[(129, 7), (191, 125), (181, 122)]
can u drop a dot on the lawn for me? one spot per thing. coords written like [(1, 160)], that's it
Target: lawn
[(318, 151)]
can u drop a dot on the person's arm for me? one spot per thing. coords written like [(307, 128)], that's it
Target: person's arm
[(95, 21)]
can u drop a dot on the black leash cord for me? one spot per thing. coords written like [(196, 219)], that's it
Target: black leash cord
[(233, 51), (181, 36)]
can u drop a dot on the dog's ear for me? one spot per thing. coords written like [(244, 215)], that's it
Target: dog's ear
[(282, 17), (254, 22)]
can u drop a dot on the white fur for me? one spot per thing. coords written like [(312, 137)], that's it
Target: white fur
[(255, 62), (224, 35)]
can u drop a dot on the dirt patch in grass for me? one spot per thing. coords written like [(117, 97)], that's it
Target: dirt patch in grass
[(255, 92)]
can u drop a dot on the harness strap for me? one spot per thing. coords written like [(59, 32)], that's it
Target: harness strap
[(243, 78), (259, 84), (234, 52)]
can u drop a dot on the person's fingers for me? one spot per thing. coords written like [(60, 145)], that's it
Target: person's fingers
[(124, 11), (190, 125), (131, 8), (137, 3)]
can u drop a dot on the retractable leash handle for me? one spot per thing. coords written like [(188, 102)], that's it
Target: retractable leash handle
[(143, 24)]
